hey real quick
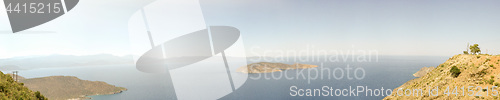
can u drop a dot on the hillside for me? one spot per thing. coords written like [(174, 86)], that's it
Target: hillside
[(69, 87), (477, 71), (267, 67), (423, 71), (11, 90)]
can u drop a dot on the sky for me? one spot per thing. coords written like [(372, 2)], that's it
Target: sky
[(391, 27)]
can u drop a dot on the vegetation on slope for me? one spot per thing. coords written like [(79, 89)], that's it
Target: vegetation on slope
[(11, 90), (459, 71), (69, 87)]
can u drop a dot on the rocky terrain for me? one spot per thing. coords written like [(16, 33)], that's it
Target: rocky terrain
[(423, 71), (69, 87), (476, 71), (267, 67)]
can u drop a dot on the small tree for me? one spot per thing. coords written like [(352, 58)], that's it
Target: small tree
[(465, 52), (474, 49), (455, 71), (40, 96)]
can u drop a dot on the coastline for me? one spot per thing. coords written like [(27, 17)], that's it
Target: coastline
[(86, 97)]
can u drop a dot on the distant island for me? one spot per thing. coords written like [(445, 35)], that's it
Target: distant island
[(469, 69), (69, 87), (267, 67)]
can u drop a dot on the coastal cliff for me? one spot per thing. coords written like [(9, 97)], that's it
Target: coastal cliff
[(475, 71), (267, 67)]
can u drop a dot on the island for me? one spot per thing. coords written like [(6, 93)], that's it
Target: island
[(268, 67), (69, 87)]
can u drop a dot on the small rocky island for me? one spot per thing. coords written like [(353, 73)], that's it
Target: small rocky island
[(267, 67), (69, 87)]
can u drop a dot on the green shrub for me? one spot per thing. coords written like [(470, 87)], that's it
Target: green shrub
[(12, 90), (491, 81), (482, 72), (492, 77), (497, 84), (38, 95), (474, 49), (455, 71), (491, 65)]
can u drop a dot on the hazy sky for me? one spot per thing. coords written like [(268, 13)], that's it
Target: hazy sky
[(392, 27)]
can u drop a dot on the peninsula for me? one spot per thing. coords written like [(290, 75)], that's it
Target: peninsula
[(69, 87)]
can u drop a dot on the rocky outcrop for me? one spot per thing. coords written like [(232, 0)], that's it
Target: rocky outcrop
[(423, 71)]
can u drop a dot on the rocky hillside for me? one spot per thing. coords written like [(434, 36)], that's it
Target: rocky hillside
[(476, 71), (11, 90), (267, 67), (69, 87), (423, 71)]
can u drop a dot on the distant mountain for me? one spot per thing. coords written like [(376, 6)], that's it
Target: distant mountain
[(69, 87), (64, 61), (12, 90), (10, 68)]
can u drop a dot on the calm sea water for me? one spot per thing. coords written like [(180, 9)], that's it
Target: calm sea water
[(389, 72)]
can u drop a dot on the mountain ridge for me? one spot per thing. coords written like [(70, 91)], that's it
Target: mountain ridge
[(50, 61)]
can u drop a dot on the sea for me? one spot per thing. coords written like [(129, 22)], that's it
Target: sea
[(388, 72)]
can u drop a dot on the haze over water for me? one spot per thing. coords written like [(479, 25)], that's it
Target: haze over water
[(389, 72)]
